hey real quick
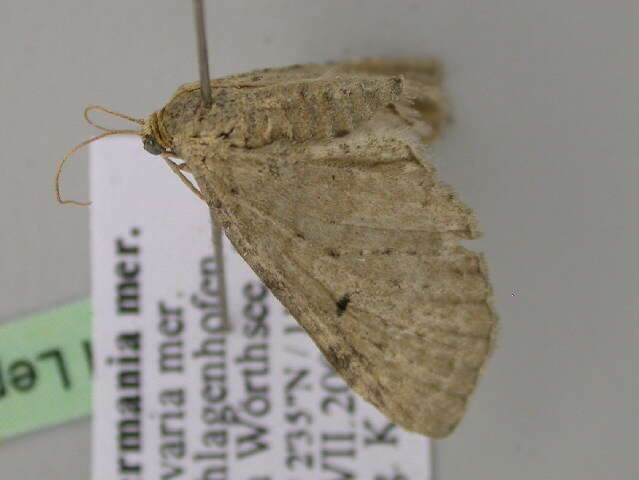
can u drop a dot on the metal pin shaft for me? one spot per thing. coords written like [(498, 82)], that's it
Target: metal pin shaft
[(203, 57), (216, 233), (207, 100)]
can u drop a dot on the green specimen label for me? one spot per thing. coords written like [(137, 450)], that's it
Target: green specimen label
[(45, 369)]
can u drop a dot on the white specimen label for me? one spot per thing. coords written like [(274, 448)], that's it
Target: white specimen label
[(177, 395)]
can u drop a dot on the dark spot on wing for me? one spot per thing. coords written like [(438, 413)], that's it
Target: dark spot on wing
[(333, 253), (342, 303)]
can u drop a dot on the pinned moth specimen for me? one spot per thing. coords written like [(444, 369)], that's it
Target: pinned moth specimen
[(318, 175)]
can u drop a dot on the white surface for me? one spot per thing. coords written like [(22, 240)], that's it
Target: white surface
[(544, 147)]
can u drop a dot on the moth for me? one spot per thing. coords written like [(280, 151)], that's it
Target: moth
[(319, 176)]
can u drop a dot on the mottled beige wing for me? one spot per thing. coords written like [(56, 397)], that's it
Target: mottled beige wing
[(360, 241), (426, 72), (423, 105)]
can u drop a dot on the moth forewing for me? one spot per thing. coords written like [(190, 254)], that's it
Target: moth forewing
[(317, 176)]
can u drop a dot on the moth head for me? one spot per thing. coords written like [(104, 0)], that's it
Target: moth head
[(154, 138), (152, 146)]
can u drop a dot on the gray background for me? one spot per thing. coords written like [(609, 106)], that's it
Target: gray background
[(543, 147)]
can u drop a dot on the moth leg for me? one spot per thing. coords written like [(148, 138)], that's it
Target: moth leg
[(177, 169), (182, 166)]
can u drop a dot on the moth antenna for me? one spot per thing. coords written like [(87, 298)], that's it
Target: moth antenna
[(177, 169), (68, 155), (110, 112)]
